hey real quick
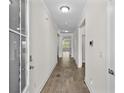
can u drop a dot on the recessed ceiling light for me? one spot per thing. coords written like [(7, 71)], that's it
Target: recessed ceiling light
[(65, 9)]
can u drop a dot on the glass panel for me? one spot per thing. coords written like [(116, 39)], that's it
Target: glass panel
[(14, 19), (23, 17), (23, 63), (14, 63)]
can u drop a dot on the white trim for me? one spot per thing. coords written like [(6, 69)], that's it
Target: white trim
[(20, 44), (24, 35), (80, 56), (89, 87), (14, 31), (26, 90)]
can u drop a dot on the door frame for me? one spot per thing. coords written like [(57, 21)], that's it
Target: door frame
[(109, 44), (26, 90)]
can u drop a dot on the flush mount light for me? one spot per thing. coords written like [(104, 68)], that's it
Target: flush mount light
[(66, 31), (64, 9)]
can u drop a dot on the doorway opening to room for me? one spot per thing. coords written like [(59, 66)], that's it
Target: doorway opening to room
[(66, 48)]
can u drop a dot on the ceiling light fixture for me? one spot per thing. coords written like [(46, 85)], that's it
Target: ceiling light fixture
[(65, 9), (66, 31)]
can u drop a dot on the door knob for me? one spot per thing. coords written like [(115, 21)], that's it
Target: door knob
[(110, 71), (31, 67)]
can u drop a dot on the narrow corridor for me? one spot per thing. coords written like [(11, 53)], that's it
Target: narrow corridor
[(66, 78), (49, 40)]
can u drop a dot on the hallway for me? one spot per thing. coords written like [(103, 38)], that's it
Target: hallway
[(66, 78), (77, 32)]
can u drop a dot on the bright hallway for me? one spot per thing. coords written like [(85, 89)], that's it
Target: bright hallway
[(61, 46)]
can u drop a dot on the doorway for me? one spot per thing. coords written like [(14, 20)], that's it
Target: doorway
[(66, 47)]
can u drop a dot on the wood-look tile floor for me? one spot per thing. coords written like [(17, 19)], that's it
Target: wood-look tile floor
[(66, 78)]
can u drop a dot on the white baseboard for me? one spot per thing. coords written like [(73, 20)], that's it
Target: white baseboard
[(89, 86), (48, 76)]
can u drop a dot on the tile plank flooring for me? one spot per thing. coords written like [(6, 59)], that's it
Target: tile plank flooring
[(66, 78)]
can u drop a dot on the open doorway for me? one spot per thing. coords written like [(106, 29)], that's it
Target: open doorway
[(66, 47)]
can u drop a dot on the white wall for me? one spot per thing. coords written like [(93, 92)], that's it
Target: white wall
[(80, 48), (43, 45), (79, 53), (75, 47), (96, 70)]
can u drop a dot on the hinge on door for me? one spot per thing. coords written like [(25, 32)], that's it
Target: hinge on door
[(110, 71)]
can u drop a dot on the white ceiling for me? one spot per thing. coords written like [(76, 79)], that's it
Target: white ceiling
[(69, 21)]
